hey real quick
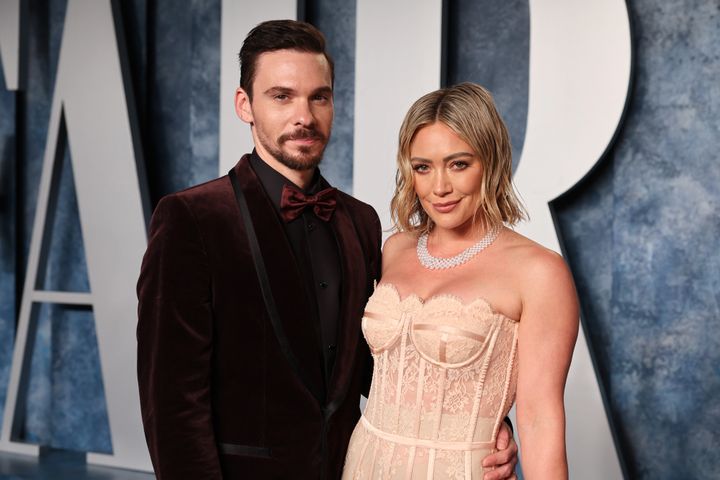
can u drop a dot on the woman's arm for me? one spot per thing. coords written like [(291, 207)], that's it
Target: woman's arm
[(548, 330)]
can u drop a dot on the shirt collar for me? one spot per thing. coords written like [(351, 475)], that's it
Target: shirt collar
[(273, 181)]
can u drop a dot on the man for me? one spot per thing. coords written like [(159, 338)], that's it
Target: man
[(250, 356)]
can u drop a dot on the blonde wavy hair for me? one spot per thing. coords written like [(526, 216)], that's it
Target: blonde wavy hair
[(468, 110)]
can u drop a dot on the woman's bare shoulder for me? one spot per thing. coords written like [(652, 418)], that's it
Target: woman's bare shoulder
[(535, 263), (396, 246), (398, 242)]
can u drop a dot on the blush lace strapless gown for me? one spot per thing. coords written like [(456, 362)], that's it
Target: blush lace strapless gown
[(444, 379)]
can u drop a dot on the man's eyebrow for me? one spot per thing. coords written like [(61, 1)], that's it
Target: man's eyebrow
[(326, 89), (279, 91)]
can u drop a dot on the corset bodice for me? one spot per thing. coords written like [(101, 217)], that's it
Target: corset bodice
[(444, 378)]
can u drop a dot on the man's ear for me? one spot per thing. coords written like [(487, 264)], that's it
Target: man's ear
[(242, 106)]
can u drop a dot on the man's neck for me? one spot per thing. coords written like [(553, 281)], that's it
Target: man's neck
[(301, 178)]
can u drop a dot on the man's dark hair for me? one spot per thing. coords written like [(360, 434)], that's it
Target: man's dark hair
[(278, 35)]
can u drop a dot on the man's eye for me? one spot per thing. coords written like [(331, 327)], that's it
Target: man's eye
[(281, 97), (321, 98)]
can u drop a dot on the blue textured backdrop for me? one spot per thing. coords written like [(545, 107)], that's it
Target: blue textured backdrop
[(640, 233), (641, 237), (488, 43), (8, 225)]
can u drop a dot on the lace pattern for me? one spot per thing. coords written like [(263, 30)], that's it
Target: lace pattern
[(444, 379)]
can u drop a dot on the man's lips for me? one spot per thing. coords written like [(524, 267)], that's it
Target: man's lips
[(305, 141), (445, 207)]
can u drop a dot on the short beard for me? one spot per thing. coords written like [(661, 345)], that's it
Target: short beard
[(301, 162)]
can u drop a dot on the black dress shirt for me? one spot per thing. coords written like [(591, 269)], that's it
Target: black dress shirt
[(317, 255)]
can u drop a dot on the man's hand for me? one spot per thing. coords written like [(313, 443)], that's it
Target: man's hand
[(502, 463)]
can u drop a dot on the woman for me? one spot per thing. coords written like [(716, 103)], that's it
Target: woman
[(469, 315)]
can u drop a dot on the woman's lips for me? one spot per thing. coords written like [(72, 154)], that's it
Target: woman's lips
[(445, 207)]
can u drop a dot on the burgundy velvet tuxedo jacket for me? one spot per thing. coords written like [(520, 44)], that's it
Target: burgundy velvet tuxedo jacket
[(225, 392)]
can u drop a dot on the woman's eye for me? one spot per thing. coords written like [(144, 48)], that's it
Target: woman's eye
[(420, 168), (459, 165)]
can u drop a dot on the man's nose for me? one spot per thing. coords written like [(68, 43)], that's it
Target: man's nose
[(303, 113)]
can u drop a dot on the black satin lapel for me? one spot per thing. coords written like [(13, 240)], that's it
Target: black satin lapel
[(294, 329), (354, 290)]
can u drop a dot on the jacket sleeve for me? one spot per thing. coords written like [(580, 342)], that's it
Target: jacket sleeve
[(174, 336), (375, 270)]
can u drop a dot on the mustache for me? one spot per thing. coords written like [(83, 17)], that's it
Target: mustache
[(301, 134)]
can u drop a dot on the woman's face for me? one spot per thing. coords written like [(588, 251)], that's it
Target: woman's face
[(447, 176)]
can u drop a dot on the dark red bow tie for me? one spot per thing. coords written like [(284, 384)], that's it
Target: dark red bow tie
[(293, 202)]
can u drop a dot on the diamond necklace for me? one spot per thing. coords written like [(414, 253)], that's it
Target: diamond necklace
[(436, 263)]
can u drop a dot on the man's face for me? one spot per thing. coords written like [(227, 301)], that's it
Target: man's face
[(291, 111)]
